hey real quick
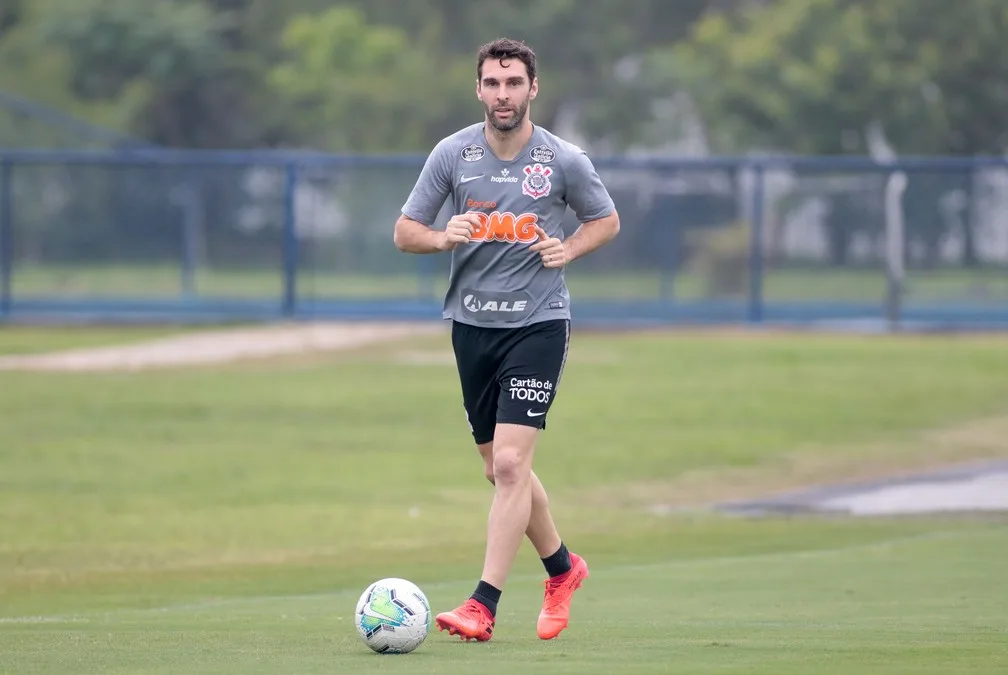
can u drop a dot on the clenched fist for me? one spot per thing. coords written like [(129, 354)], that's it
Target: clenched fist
[(459, 230), (550, 249)]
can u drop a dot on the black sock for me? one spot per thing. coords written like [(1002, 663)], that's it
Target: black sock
[(558, 563), (487, 595)]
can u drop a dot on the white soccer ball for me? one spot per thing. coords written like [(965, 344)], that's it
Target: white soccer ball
[(393, 616)]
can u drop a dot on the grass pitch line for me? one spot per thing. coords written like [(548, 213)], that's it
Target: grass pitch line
[(221, 346), (614, 570)]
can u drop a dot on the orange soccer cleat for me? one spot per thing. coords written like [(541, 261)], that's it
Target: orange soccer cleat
[(557, 599), (471, 621)]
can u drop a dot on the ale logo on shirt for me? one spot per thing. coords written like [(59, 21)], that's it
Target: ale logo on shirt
[(497, 226)]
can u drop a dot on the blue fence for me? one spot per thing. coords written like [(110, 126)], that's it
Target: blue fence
[(145, 235)]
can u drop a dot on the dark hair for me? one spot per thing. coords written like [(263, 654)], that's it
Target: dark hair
[(505, 48)]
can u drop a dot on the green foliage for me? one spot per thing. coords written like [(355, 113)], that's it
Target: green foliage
[(358, 86), (386, 75), (10, 14), (170, 72), (811, 75), (968, 65), (115, 42), (32, 71)]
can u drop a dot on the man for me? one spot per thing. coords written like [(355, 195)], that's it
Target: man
[(511, 183)]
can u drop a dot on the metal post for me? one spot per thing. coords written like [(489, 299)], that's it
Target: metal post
[(290, 252), (6, 237), (756, 247), (192, 227), (895, 243)]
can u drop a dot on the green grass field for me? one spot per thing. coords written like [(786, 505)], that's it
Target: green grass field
[(225, 520), (162, 281)]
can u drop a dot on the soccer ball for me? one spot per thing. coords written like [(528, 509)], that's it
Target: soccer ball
[(393, 616)]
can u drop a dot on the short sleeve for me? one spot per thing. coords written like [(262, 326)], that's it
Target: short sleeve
[(433, 186), (586, 195)]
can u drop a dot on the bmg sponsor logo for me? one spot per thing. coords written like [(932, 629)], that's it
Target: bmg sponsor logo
[(531, 390), (506, 227)]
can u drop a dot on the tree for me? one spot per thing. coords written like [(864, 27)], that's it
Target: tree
[(816, 76), (31, 71), (811, 76), (583, 46), (363, 87), (188, 87)]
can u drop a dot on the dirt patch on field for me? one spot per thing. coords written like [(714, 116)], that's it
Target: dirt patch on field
[(222, 346)]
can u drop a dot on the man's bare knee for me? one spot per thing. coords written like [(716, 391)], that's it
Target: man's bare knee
[(510, 467), (513, 448)]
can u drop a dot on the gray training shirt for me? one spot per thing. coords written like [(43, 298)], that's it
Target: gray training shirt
[(495, 280)]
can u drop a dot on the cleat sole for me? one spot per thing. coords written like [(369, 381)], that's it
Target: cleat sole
[(454, 631)]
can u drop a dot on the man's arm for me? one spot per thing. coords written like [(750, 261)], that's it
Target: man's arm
[(591, 203), (412, 233), (590, 236), (411, 236)]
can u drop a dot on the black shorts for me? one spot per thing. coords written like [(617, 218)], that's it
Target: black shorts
[(509, 375)]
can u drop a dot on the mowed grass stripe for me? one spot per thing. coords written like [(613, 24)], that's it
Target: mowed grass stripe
[(893, 607), (521, 576)]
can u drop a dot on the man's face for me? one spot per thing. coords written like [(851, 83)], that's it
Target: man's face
[(506, 92)]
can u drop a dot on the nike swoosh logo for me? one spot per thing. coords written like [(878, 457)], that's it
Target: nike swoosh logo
[(468, 179), (535, 414)]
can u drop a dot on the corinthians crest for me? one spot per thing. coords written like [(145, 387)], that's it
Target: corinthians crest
[(536, 183)]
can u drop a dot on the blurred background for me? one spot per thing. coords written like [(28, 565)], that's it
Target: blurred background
[(796, 161), (180, 499)]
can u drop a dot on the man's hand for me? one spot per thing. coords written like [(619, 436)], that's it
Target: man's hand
[(550, 249), (459, 230)]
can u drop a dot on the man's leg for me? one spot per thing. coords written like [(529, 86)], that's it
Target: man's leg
[(530, 380), (541, 530), (527, 381), (511, 510), (478, 355), (510, 470)]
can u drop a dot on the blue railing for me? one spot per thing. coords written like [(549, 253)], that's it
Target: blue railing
[(193, 235)]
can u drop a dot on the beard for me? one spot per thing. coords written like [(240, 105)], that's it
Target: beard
[(512, 123)]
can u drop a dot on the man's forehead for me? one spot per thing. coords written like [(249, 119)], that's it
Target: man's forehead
[(499, 70)]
